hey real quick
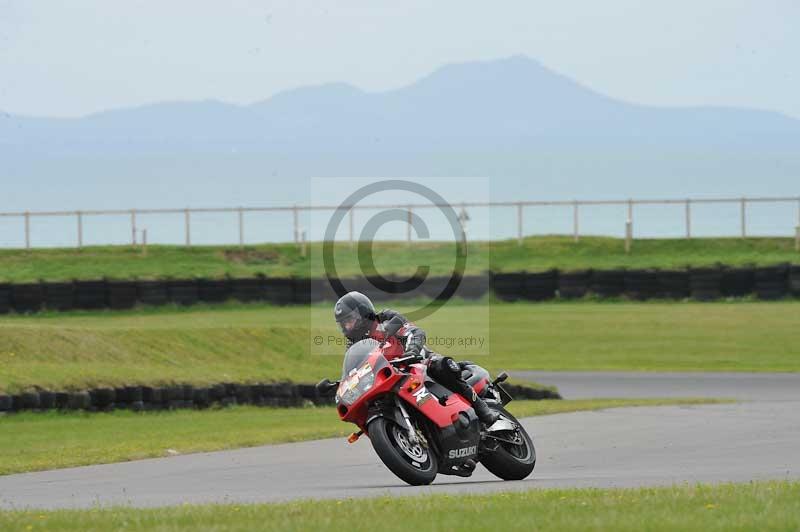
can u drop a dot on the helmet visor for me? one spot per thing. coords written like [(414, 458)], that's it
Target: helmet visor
[(349, 322)]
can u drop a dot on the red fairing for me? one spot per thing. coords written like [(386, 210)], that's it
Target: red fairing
[(408, 383), (385, 379), (414, 392)]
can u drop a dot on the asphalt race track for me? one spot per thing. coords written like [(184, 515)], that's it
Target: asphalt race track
[(758, 438), (622, 384)]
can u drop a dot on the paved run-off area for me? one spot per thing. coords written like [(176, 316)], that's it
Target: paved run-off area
[(618, 447)]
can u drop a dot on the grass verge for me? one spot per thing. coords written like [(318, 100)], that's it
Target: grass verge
[(752, 506), (535, 253), (237, 342), (52, 440)]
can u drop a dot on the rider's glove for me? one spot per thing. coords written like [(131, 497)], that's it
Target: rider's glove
[(412, 352), (452, 365)]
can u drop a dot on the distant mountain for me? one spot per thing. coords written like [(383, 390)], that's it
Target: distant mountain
[(511, 119), (514, 103)]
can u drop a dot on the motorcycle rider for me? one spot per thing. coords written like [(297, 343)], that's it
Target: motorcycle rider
[(355, 314)]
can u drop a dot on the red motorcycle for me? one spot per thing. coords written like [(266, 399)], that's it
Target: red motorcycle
[(418, 427)]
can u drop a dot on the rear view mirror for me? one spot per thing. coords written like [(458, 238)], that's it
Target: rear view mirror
[(326, 387)]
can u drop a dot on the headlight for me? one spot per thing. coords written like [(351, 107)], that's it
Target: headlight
[(355, 385)]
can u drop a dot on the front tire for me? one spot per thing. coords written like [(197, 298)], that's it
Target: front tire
[(509, 461), (413, 463)]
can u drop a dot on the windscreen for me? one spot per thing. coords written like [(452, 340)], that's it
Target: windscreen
[(357, 355)]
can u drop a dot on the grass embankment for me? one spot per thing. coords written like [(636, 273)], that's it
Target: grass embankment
[(38, 441), (752, 506), (536, 253), (235, 342)]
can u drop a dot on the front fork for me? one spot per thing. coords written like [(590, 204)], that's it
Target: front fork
[(411, 430), (395, 412)]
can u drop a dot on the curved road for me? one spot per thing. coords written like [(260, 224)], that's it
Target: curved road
[(622, 384), (754, 439)]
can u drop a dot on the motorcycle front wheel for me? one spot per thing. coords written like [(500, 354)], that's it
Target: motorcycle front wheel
[(412, 461), (511, 460)]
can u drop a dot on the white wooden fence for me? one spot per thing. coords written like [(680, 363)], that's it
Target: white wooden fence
[(293, 212)]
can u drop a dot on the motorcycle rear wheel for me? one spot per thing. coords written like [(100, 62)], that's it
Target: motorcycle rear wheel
[(414, 465), (509, 461)]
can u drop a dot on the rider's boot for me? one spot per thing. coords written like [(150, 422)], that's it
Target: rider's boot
[(449, 373), (484, 413)]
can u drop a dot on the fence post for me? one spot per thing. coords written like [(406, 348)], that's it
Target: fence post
[(296, 225), (797, 238), (797, 229), (144, 242), (575, 234), (240, 214), (27, 230), (133, 227), (628, 235), (80, 229), (688, 218), (188, 224), (629, 227), (519, 223), (743, 210), (630, 210)]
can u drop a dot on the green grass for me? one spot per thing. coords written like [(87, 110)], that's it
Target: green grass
[(752, 506), (38, 441), (235, 342), (536, 253)]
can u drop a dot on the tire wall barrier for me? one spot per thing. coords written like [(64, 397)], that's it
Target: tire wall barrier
[(705, 284), (794, 283), (529, 392), (171, 397), (6, 303), (574, 285), (772, 282), (607, 283), (27, 297), (702, 284), (91, 294)]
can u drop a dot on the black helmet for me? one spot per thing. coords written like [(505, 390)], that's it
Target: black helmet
[(355, 314)]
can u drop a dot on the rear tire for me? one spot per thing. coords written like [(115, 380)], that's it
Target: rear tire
[(511, 462), (389, 442)]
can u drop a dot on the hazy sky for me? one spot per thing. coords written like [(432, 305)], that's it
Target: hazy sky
[(76, 57)]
